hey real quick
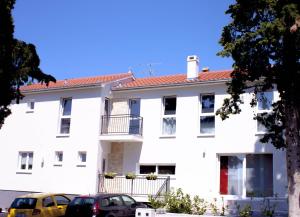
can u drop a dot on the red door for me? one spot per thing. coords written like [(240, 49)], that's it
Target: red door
[(224, 175)]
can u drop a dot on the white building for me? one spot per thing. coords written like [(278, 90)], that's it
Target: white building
[(64, 137)]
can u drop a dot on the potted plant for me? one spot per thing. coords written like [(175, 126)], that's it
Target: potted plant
[(151, 176), (110, 175), (130, 175)]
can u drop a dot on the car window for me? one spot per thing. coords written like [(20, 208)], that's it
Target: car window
[(88, 201), (61, 200), (76, 201), (128, 200), (104, 202), (48, 202), (115, 201), (24, 203)]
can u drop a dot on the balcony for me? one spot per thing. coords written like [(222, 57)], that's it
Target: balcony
[(121, 128), (138, 187)]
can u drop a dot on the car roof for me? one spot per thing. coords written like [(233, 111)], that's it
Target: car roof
[(102, 195), (39, 195)]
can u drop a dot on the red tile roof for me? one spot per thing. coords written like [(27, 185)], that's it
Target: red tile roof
[(179, 79), (77, 82)]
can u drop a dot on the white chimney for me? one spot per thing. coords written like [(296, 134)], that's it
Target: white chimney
[(192, 67)]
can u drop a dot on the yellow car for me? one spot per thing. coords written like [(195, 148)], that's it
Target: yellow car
[(39, 205)]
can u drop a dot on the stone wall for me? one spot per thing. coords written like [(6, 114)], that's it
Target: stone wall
[(115, 158)]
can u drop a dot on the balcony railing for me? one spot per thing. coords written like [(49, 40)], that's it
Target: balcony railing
[(122, 124), (139, 186)]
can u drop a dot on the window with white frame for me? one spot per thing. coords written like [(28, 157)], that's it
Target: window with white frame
[(82, 157), (169, 115), (158, 169), (25, 161), (264, 104), (248, 175), (58, 158), (207, 114), (65, 116)]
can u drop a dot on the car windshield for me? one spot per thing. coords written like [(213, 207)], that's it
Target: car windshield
[(24, 203)]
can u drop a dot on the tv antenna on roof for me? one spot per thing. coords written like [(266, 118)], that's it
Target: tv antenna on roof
[(150, 71), (150, 68)]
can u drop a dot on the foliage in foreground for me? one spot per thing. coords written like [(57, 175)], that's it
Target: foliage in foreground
[(179, 202), (263, 39)]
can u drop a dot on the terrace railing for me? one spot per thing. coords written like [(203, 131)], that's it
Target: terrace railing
[(139, 186), (121, 124)]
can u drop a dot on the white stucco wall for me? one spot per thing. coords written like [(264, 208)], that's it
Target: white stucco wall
[(195, 156), (38, 132)]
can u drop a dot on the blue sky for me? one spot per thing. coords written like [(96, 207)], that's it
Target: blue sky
[(76, 38)]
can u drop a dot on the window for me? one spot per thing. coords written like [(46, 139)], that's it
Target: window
[(106, 107), (158, 169), (24, 203), (145, 169), (25, 161), (115, 201), (169, 116), (255, 170), (264, 101), (48, 202), (65, 117), (207, 114), (82, 157), (259, 175), (168, 170), (61, 200), (59, 155), (231, 175), (264, 104), (134, 109), (128, 200)]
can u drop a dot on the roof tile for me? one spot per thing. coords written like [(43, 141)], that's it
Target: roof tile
[(176, 79), (76, 82)]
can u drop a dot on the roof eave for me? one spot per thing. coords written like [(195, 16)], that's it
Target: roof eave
[(55, 89)]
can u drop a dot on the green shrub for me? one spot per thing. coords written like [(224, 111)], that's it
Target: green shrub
[(130, 175), (110, 175), (151, 176), (245, 211), (266, 209), (156, 203), (199, 206), (213, 207), (178, 202)]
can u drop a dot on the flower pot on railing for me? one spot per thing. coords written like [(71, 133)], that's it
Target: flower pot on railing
[(110, 175), (151, 176), (130, 176)]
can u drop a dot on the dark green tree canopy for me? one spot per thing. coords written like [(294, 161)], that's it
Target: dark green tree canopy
[(266, 56), (19, 62)]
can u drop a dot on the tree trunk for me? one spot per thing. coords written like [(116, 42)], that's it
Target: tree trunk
[(293, 159)]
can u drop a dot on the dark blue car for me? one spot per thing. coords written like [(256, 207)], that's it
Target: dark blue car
[(106, 205)]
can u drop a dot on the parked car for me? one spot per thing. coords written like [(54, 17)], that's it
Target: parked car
[(39, 205), (106, 205)]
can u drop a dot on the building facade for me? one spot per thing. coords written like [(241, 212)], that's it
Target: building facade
[(65, 138)]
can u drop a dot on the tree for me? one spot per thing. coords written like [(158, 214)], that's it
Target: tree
[(263, 39), (19, 62)]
